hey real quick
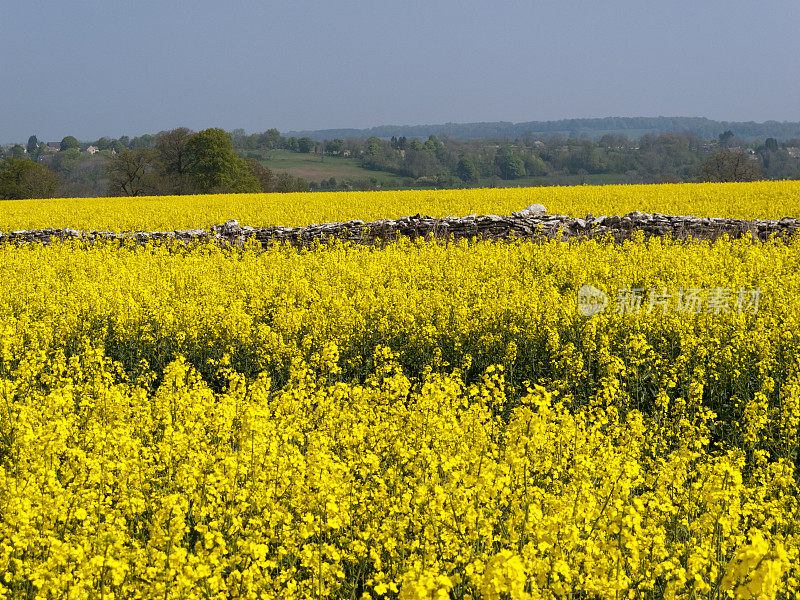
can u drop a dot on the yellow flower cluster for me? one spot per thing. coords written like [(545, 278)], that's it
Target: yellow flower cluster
[(419, 421), (756, 569), (764, 200)]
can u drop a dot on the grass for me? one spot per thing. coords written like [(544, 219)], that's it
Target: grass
[(313, 167)]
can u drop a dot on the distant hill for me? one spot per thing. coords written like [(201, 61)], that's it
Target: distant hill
[(593, 129)]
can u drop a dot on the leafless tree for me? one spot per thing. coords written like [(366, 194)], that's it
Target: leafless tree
[(729, 165), (128, 173)]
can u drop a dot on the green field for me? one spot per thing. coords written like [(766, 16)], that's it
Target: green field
[(313, 167)]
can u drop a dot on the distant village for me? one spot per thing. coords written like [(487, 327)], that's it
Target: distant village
[(51, 148)]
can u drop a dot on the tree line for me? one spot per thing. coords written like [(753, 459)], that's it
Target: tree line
[(181, 161), (449, 162), (591, 129), (175, 162), (558, 161)]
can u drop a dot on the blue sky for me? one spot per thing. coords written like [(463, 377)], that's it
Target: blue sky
[(106, 67)]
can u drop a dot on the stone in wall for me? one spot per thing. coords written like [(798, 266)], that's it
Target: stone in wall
[(534, 225)]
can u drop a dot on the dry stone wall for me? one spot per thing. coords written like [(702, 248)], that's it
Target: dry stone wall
[(488, 227)]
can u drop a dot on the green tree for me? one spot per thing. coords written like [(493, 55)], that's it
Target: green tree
[(20, 178), (146, 141), (771, 144), (70, 142), (66, 161), (374, 147), (510, 163), (102, 144), (215, 168), (33, 145), (433, 144), (334, 146), (269, 140), (534, 166), (173, 156), (305, 145), (286, 182), (467, 170)]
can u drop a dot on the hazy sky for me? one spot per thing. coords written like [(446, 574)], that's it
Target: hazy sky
[(106, 67)]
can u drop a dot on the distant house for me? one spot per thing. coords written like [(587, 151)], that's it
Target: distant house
[(52, 147), (793, 151), (92, 150)]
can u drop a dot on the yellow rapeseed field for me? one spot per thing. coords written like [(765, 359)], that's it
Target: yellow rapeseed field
[(421, 421), (768, 199)]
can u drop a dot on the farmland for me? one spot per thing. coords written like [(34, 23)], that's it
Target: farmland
[(413, 421), (313, 167), (764, 200)]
